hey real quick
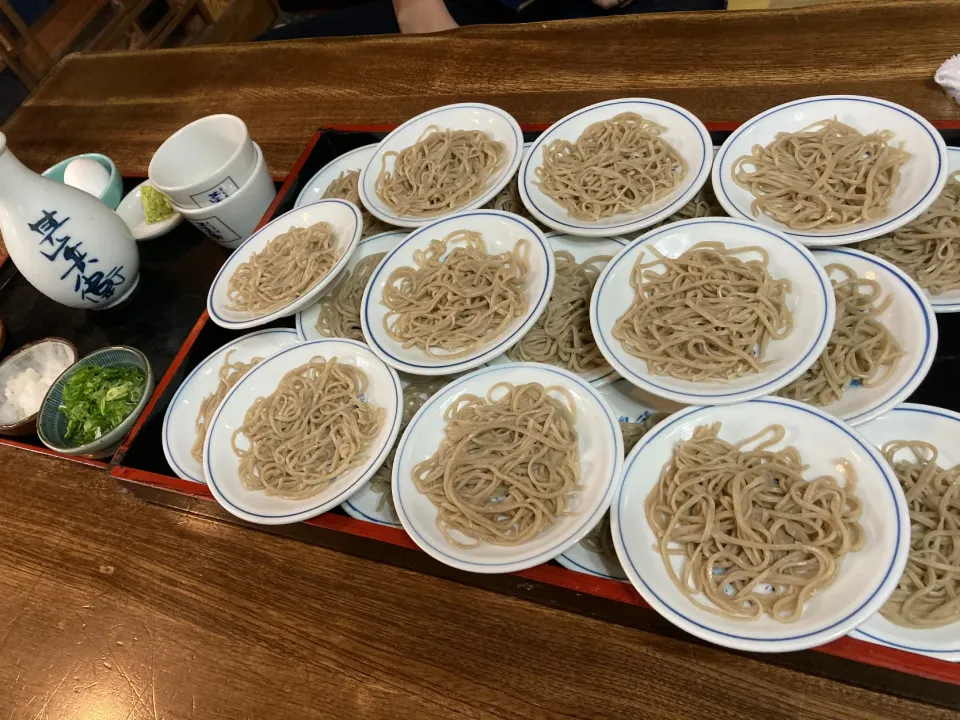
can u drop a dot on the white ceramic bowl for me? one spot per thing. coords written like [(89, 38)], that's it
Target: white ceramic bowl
[(306, 321), (179, 421), (220, 463), (233, 220), (345, 219), (501, 231), (497, 123), (601, 460), (911, 320), (318, 184), (205, 162), (921, 178), (865, 579), (810, 300), (583, 249), (684, 132), (941, 428), (131, 210)]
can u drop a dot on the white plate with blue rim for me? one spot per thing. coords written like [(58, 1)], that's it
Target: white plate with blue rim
[(220, 462), (345, 219), (179, 422), (601, 460), (582, 249), (352, 160), (497, 123), (922, 177), (939, 427), (909, 319), (810, 300), (501, 232), (864, 580), (306, 321), (684, 132)]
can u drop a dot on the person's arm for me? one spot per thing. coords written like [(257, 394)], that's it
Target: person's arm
[(423, 16)]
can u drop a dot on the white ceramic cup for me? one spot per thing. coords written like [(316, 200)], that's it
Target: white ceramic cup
[(232, 221), (205, 162)]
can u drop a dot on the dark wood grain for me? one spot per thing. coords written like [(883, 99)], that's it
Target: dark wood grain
[(723, 66), (110, 606)]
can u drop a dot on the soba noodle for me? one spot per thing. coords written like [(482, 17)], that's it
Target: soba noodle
[(928, 595), (754, 536), (339, 315), (507, 466), (928, 249), (707, 315), (562, 335), (615, 166), (289, 266), (450, 304), (827, 175), (444, 170), (307, 432), (632, 432), (860, 349), (229, 375), (345, 187)]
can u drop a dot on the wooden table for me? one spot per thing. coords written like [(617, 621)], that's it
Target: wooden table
[(113, 608)]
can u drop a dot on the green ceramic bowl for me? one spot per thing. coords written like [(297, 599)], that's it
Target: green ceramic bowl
[(111, 195), (52, 424)]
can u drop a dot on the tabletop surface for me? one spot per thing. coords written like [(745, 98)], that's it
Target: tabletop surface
[(112, 607)]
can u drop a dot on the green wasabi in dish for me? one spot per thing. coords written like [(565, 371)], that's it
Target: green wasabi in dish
[(156, 207), (97, 399)]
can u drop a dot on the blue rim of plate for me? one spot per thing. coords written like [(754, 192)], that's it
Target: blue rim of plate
[(357, 514), (477, 202), (930, 330), (173, 402), (339, 158), (893, 485), (544, 555), (899, 646), (337, 499), (888, 224), (272, 315), (564, 560), (702, 397), (664, 212), (494, 349)]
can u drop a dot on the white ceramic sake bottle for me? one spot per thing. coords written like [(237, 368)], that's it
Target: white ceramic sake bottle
[(66, 243)]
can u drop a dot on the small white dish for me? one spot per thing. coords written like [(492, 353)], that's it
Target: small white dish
[(601, 461), (501, 231), (497, 123), (684, 132), (306, 321), (865, 579), (939, 427), (582, 249), (318, 184), (921, 178), (131, 210), (179, 421), (579, 559), (220, 462), (810, 299), (911, 321), (345, 219)]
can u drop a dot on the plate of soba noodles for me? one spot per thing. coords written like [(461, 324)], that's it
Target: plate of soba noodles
[(832, 170), (922, 614), (712, 311), (285, 265), (562, 335), (615, 167), (507, 467), (446, 160), (302, 431), (765, 526), (455, 294), (883, 341), (188, 415)]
